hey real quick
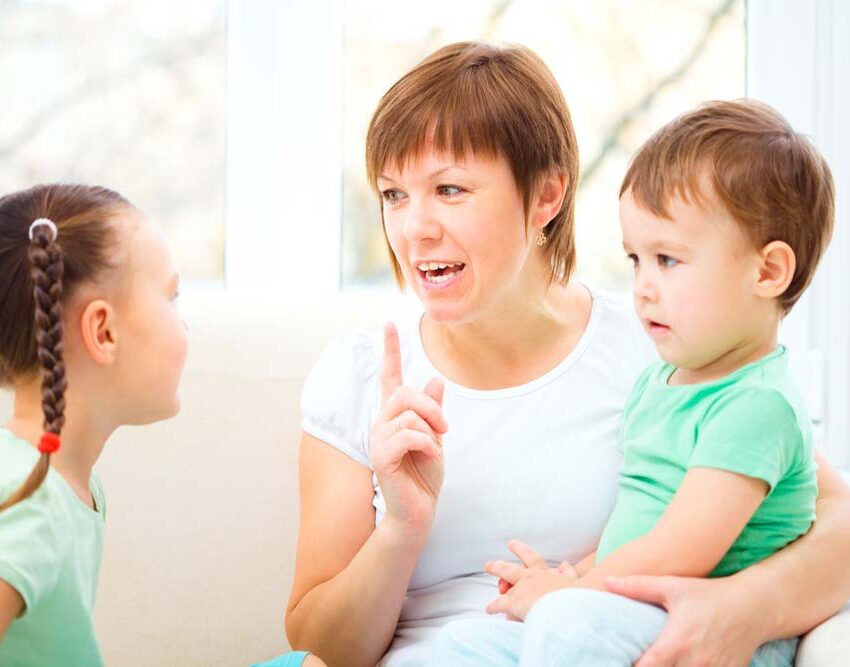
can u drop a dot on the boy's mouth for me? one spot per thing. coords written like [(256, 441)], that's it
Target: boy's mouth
[(439, 272), (656, 327)]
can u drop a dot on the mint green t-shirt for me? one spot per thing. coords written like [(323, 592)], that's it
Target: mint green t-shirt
[(751, 422), (50, 550)]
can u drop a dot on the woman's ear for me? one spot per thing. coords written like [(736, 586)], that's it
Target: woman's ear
[(550, 197), (99, 332), (777, 264)]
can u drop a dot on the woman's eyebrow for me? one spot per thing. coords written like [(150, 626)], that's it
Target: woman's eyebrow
[(443, 170)]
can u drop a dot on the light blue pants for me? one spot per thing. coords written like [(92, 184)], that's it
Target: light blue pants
[(570, 627), (291, 659)]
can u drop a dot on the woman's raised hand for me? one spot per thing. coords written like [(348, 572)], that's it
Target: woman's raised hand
[(406, 444)]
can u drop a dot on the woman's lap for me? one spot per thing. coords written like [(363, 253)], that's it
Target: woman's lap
[(570, 627)]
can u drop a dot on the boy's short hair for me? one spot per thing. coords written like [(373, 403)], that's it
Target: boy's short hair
[(493, 100), (771, 179)]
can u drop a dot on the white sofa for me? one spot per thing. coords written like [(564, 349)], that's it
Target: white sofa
[(202, 510)]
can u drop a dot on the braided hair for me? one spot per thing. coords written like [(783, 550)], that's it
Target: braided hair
[(69, 234)]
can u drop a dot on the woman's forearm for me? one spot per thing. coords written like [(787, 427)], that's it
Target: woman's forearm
[(807, 582), (351, 618)]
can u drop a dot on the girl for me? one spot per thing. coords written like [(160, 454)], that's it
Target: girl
[(90, 339)]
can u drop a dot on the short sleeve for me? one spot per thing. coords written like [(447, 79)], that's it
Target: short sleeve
[(340, 395), (752, 431), (32, 543)]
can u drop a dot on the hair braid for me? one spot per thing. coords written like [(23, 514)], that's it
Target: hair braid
[(46, 268)]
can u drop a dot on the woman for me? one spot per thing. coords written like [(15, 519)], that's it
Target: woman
[(406, 493)]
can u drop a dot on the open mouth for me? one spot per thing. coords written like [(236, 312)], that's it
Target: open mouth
[(440, 272)]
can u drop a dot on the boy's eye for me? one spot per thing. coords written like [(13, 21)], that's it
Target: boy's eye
[(633, 259), (667, 262), (449, 190), (391, 196)]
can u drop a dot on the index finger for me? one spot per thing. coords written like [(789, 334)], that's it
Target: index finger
[(391, 367), (528, 556), (510, 572)]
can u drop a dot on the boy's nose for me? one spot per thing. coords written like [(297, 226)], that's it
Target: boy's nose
[(644, 287)]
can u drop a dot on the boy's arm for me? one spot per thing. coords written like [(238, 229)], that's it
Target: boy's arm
[(11, 605), (808, 581), (699, 526), (715, 621), (586, 564)]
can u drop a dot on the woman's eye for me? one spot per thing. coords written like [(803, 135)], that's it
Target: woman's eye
[(667, 262), (391, 196), (449, 190)]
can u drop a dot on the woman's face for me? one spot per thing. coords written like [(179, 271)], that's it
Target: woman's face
[(458, 231)]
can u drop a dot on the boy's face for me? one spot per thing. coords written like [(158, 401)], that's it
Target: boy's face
[(694, 280)]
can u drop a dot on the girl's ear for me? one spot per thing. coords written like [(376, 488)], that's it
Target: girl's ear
[(776, 269), (99, 331), (550, 196)]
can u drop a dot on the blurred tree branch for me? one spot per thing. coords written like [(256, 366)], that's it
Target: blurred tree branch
[(100, 83), (612, 138)]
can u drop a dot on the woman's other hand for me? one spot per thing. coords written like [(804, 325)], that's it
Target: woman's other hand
[(406, 444), (710, 623)]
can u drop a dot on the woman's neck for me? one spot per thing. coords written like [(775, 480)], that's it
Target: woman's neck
[(514, 342), (83, 436)]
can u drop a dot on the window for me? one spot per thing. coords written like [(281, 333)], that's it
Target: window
[(799, 61), (124, 93), (625, 68)]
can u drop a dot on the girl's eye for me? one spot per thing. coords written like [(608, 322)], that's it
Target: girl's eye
[(667, 262), (449, 190), (633, 259), (391, 196)]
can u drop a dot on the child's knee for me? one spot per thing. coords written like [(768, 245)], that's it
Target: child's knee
[(574, 608), (462, 634), (477, 642)]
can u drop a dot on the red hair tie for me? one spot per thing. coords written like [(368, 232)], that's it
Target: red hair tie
[(49, 443)]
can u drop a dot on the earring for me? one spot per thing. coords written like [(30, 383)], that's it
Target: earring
[(541, 238)]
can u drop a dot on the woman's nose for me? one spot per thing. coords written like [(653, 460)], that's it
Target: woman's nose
[(420, 224)]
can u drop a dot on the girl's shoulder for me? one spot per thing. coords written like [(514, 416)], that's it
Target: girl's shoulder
[(17, 459)]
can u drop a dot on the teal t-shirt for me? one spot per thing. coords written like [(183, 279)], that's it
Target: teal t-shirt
[(50, 550), (751, 422)]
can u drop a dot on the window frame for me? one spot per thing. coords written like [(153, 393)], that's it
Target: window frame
[(284, 151), (797, 60)]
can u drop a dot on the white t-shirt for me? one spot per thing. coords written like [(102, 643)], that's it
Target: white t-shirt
[(536, 462)]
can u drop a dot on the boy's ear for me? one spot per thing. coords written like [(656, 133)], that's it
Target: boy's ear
[(99, 332), (550, 195), (776, 269)]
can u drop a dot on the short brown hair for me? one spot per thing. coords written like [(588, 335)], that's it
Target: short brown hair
[(771, 179), (491, 100)]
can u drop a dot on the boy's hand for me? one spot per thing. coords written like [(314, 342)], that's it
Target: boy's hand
[(520, 586), (533, 584)]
